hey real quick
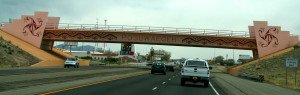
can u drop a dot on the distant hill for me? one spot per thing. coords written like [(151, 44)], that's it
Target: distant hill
[(79, 48)]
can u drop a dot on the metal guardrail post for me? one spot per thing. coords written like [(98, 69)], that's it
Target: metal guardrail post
[(68, 27), (231, 34), (122, 29), (149, 29), (204, 32), (81, 26), (190, 31), (134, 28), (245, 34), (218, 32), (163, 30), (177, 31), (95, 26)]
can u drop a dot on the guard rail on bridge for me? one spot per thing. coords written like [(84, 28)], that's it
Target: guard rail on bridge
[(148, 29), (2, 24)]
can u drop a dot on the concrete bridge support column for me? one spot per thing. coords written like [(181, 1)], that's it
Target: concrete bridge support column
[(47, 45), (255, 54)]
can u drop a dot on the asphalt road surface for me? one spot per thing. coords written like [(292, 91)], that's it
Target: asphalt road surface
[(146, 84)]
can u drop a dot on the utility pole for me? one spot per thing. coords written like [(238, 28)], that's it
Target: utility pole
[(97, 24), (226, 56), (233, 57), (105, 23), (214, 56), (82, 46)]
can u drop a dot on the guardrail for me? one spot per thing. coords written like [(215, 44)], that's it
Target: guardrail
[(249, 76), (148, 29), (2, 24)]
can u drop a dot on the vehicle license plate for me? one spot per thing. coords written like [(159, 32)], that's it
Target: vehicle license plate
[(195, 78)]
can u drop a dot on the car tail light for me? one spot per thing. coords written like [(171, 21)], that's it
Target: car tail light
[(164, 67), (207, 71), (182, 70), (152, 66)]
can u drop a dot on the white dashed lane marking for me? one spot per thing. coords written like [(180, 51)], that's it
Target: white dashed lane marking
[(154, 88), (164, 83)]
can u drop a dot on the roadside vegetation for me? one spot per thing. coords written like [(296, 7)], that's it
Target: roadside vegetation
[(13, 56), (109, 61), (274, 69)]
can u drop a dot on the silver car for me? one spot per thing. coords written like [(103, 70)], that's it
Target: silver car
[(72, 61)]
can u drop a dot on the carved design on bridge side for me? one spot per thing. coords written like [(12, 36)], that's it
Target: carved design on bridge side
[(219, 42), (32, 25), (79, 36), (268, 36)]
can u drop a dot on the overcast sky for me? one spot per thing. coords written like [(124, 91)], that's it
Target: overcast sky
[(234, 15)]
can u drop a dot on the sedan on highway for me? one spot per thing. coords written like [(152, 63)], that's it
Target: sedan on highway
[(72, 61), (169, 67), (158, 68)]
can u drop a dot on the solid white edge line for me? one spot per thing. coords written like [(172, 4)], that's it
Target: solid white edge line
[(214, 88)]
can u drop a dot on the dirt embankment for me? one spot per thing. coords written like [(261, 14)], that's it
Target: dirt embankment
[(13, 56), (274, 69)]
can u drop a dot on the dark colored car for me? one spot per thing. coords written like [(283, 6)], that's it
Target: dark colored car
[(149, 64), (158, 68), (169, 67)]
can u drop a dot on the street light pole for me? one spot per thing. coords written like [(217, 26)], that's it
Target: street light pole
[(233, 56)]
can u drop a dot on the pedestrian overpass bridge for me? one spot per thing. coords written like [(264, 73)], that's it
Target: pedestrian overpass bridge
[(41, 31)]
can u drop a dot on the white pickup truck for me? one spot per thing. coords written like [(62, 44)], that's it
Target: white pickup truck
[(195, 70)]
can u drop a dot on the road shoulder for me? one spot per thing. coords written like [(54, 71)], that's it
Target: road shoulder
[(238, 86)]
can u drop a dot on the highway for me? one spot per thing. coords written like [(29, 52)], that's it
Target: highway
[(146, 84), (124, 80)]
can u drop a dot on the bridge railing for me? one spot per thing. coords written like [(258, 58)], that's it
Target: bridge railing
[(2, 24), (296, 35), (148, 29)]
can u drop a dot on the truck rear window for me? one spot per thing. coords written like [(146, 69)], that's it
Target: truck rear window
[(196, 63)]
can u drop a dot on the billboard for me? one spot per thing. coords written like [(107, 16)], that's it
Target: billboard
[(244, 56), (70, 43), (126, 47)]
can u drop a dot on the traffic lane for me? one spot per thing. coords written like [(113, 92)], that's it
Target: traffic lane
[(32, 70), (173, 87), (148, 84), (130, 86)]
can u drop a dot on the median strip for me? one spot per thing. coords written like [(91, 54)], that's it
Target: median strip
[(45, 72), (92, 84)]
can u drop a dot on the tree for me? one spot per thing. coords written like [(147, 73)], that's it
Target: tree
[(165, 57), (219, 59), (229, 62)]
